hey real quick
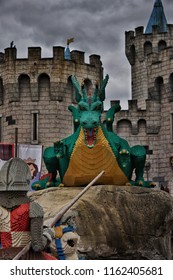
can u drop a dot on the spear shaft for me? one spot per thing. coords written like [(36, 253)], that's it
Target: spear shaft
[(23, 251), (73, 201)]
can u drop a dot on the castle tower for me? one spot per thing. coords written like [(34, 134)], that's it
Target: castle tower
[(149, 118), (35, 93), (147, 51)]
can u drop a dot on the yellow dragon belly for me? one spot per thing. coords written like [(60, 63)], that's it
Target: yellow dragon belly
[(86, 163)]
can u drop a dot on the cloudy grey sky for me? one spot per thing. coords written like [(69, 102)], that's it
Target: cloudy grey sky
[(98, 27)]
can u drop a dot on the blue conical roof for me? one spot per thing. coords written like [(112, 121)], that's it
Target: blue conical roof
[(157, 18), (67, 53)]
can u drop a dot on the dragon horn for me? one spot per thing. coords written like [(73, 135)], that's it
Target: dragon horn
[(102, 88), (77, 87)]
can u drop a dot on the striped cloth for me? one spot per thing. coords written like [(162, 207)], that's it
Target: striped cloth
[(15, 226)]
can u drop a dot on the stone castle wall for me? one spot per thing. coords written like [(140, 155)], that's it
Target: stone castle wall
[(35, 93), (149, 118), (150, 56)]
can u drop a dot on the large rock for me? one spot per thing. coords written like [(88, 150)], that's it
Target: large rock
[(116, 222)]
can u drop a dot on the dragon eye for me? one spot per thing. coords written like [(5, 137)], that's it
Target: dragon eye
[(81, 108), (98, 108)]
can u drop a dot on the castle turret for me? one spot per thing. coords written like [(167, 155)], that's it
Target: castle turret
[(149, 120), (157, 18), (149, 53)]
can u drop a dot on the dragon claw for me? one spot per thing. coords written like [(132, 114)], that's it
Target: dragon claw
[(50, 184), (36, 185), (152, 184), (124, 152)]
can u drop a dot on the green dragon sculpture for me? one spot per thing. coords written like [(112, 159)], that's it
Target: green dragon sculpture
[(93, 147)]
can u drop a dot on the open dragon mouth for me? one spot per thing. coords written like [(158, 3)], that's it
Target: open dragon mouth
[(90, 136)]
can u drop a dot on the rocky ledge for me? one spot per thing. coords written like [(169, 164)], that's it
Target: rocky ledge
[(116, 222)]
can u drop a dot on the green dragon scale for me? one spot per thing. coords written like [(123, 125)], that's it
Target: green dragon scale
[(93, 147)]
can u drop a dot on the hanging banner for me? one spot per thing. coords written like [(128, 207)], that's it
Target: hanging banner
[(6, 152), (32, 155)]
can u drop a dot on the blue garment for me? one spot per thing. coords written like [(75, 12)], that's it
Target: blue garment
[(59, 248)]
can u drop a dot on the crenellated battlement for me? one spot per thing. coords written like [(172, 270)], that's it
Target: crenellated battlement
[(10, 54), (133, 116), (139, 31), (56, 69), (159, 57), (35, 54), (35, 92), (151, 56), (139, 44)]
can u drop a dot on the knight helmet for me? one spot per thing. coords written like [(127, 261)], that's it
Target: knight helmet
[(15, 175)]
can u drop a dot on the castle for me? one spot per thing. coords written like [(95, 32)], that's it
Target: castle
[(149, 118), (35, 94)]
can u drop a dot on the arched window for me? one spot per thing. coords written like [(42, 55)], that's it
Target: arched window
[(124, 128), (171, 82), (87, 84), (2, 57), (43, 85), (70, 90), (161, 45), (142, 126), (132, 54), (158, 87), (147, 48), (1, 91), (24, 86)]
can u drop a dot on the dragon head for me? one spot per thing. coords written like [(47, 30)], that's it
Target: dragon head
[(89, 109)]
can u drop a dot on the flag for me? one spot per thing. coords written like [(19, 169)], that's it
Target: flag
[(70, 40), (32, 155)]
